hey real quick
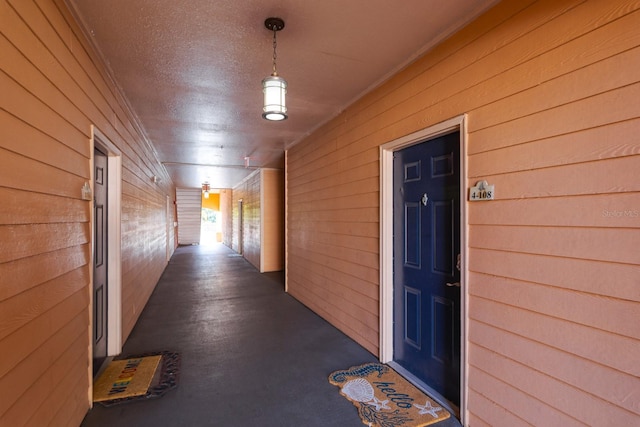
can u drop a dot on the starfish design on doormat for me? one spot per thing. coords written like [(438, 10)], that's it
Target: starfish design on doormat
[(379, 404), (427, 408)]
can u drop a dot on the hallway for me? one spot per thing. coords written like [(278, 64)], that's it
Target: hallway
[(251, 354)]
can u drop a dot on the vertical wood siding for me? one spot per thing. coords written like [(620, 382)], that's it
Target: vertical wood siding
[(551, 90), (52, 90)]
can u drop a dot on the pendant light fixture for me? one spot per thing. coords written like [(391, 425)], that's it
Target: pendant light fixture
[(205, 189), (274, 87)]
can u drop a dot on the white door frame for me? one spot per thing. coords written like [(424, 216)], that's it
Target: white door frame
[(169, 224), (386, 242), (114, 240)]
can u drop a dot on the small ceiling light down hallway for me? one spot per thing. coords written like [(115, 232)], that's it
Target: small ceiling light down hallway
[(205, 190), (274, 87)]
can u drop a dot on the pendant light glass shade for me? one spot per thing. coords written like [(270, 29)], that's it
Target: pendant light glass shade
[(275, 89)]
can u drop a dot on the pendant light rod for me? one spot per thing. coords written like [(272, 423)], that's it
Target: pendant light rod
[(275, 25)]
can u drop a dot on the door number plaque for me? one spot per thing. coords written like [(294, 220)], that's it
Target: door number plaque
[(481, 191)]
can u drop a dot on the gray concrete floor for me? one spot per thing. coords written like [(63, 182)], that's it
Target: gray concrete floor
[(251, 354)]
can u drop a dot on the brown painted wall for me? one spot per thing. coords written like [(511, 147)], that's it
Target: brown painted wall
[(212, 202), (551, 90), (53, 89)]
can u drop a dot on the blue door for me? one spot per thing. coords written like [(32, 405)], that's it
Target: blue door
[(426, 274)]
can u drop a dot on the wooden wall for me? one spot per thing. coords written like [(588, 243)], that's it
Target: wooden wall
[(240, 220), (262, 195), (551, 89), (52, 90), (189, 207), (272, 221), (235, 223), (249, 192), (226, 214)]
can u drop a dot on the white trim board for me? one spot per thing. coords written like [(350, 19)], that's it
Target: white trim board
[(386, 243)]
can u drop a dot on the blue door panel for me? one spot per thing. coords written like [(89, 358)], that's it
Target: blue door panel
[(442, 244), (412, 330), (442, 348), (412, 252), (426, 247)]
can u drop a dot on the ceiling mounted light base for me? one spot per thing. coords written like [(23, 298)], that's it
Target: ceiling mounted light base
[(274, 87), (274, 24)]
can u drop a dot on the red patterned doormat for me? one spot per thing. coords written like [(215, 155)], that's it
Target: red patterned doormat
[(385, 399)]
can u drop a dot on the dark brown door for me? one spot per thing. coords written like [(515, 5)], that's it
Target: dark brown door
[(100, 261)]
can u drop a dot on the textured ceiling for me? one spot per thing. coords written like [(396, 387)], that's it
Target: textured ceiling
[(191, 70)]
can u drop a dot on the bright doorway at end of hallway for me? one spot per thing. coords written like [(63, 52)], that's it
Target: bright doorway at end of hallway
[(211, 219)]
